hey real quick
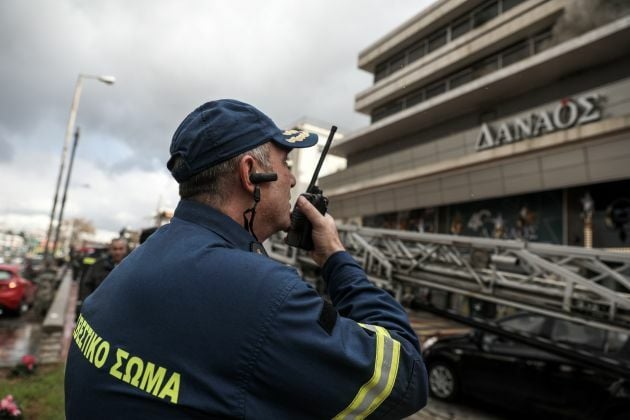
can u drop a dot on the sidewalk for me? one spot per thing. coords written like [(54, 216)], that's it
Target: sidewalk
[(54, 344)]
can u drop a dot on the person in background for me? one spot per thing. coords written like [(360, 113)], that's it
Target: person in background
[(100, 269)]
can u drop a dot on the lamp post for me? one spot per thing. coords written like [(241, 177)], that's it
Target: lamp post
[(109, 80), (65, 190)]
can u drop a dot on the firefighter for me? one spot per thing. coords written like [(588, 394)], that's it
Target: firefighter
[(199, 323), (100, 268)]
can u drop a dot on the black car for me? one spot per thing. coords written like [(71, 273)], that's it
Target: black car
[(528, 380)]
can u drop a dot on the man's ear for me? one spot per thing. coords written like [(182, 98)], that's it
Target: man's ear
[(245, 168)]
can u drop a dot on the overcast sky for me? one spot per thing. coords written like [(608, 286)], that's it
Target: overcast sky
[(292, 59)]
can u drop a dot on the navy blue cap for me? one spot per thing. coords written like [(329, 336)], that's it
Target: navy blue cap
[(220, 130)]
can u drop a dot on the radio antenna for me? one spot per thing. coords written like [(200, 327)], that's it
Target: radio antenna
[(333, 129)]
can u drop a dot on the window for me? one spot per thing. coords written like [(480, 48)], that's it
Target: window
[(583, 335), (397, 63), (460, 27), (415, 98), (617, 341), (395, 107), (417, 50), (508, 4), (514, 54), (437, 40), (485, 13), (380, 72), (387, 110), (485, 67), (5, 275), (378, 114), (435, 89), (532, 324), (542, 41), (461, 78), (465, 75)]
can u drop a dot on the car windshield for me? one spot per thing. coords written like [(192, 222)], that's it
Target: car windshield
[(5, 275), (617, 341), (583, 335), (532, 324)]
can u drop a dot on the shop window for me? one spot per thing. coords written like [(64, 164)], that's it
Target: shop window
[(387, 221), (514, 54), (437, 40), (485, 13), (460, 27)]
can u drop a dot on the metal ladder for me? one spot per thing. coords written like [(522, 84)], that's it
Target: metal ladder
[(585, 286)]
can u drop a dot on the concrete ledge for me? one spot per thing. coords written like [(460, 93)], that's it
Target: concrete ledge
[(56, 316)]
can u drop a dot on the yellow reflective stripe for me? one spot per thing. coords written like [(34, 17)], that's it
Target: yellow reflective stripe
[(89, 260), (358, 399), (380, 385), (391, 379)]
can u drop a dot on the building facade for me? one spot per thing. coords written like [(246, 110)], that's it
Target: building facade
[(496, 118)]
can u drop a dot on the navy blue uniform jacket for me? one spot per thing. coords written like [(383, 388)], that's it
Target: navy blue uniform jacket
[(193, 325)]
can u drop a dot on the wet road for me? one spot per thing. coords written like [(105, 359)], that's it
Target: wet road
[(18, 336), (438, 410)]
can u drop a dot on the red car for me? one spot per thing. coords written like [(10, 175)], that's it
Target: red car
[(17, 294)]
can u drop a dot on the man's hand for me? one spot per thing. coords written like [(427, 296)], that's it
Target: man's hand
[(325, 235)]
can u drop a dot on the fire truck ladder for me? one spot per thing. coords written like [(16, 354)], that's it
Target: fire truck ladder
[(585, 286)]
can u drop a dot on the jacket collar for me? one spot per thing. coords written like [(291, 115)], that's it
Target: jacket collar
[(214, 220)]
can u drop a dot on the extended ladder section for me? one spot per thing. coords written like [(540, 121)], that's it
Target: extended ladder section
[(582, 285), (586, 286)]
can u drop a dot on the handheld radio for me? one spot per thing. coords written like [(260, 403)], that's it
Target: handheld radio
[(300, 233)]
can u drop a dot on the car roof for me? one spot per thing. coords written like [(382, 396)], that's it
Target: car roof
[(9, 267)]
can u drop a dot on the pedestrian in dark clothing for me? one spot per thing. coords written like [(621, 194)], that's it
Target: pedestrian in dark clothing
[(198, 322), (97, 272)]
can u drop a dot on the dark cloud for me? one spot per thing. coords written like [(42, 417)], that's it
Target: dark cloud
[(136, 163), (290, 58)]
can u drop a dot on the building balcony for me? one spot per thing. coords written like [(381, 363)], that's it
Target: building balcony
[(596, 47)]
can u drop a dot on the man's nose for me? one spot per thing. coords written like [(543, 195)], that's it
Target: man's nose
[(293, 181)]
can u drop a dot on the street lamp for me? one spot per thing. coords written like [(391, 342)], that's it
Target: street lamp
[(65, 190), (109, 80)]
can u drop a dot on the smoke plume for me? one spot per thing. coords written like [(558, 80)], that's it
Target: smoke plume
[(581, 16)]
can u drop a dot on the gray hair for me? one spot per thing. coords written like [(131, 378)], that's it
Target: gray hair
[(210, 185)]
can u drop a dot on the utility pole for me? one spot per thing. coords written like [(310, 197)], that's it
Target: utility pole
[(65, 189), (108, 80)]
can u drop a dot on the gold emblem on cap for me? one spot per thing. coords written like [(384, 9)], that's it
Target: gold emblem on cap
[(298, 137)]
